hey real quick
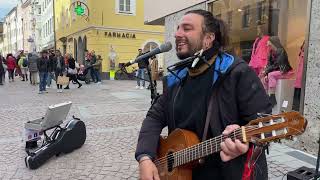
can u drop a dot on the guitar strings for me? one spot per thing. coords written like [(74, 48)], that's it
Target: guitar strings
[(190, 149), (184, 152)]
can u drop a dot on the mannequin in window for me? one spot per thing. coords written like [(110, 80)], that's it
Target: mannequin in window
[(278, 67), (298, 83), (259, 55)]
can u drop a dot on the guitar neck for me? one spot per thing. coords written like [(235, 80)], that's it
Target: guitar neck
[(261, 130), (204, 148)]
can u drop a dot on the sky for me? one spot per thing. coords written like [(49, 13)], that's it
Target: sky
[(6, 6)]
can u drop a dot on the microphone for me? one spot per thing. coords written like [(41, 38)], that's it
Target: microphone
[(163, 48)]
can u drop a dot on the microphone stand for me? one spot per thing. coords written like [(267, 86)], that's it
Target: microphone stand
[(153, 87)]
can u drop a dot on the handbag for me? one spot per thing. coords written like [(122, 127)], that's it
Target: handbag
[(63, 80), (72, 71)]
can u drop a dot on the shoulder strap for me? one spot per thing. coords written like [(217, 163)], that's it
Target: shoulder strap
[(220, 78), (209, 115)]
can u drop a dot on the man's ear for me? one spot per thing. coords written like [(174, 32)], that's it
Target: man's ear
[(211, 37), (208, 40)]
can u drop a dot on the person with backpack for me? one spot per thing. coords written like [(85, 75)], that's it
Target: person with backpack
[(33, 68), (23, 64)]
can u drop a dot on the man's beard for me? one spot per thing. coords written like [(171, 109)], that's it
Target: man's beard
[(191, 49)]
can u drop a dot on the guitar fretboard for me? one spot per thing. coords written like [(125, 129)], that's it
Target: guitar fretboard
[(202, 149)]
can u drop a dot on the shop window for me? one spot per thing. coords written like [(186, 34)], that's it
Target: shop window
[(251, 25), (246, 16), (261, 12)]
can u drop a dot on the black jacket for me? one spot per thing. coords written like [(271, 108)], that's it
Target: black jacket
[(51, 63), (278, 61), (43, 64), (71, 63), (142, 64), (1, 66), (239, 96), (55, 66)]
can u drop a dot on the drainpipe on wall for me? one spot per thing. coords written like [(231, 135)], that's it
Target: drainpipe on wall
[(54, 25)]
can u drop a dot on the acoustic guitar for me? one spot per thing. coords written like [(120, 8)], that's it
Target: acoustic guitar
[(180, 151)]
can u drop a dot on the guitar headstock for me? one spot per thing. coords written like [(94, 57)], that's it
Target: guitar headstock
[(275, 127)]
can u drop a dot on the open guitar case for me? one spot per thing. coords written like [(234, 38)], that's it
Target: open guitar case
[(62, 140)]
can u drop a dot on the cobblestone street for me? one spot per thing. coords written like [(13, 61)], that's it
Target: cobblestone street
[(112, 111)]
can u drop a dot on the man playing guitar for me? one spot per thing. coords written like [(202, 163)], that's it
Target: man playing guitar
[(237, 96)]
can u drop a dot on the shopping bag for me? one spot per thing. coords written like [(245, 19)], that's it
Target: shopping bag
[(63, 80)]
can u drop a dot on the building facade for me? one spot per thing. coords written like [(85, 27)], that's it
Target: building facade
[(113, 29), (1, 39), (24, 26), (29, 27), (295, 22), (10, 32), (44, 25)]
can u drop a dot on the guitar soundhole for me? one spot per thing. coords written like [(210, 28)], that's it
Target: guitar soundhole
[(170, 161)]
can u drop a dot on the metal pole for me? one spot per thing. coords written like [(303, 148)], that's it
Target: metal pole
[(317, 175)]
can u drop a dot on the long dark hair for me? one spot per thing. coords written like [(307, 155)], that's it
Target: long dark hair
[(213, 25)]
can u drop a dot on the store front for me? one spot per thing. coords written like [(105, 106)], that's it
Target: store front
[(257, 29), (251, 19), (116, 47)]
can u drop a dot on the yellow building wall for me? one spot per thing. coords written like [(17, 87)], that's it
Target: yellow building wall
[(126, 49), (103, 18)]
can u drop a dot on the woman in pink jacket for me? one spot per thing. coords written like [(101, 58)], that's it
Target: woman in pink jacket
[(259, 56), (260, 51), (11, 63)]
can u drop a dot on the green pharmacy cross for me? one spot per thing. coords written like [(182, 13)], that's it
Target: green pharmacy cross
[(79, 10)]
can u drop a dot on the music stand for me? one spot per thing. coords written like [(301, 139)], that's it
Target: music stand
[(55, 115)]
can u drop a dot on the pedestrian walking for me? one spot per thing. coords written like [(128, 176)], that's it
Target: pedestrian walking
[(42, 63), (11, 65), (33, 68)]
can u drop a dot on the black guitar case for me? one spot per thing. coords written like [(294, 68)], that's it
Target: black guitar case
[(64, 140)]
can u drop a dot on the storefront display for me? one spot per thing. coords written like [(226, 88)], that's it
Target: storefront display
[(251, 23)]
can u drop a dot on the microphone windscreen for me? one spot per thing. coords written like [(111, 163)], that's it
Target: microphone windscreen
[(165, 47)]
